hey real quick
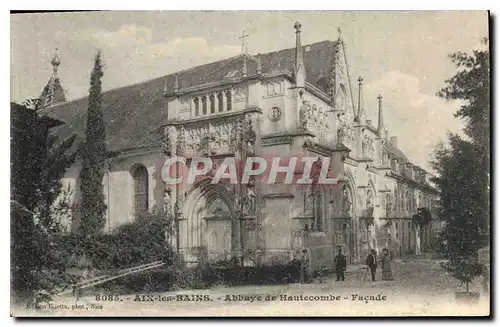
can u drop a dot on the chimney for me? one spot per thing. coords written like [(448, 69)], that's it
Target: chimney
[(299, 69), (368, 122), (394, 141), (386, 134), (380, 126)]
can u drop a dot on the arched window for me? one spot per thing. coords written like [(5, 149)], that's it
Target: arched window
[(229, 101), (220, 100), (212, 104), (140, 176), (322, 84), (204, 105), (196, 107)]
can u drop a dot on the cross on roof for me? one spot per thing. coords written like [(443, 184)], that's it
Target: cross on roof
[(243, 43)]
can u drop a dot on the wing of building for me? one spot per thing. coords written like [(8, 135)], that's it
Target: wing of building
[(294, 102)]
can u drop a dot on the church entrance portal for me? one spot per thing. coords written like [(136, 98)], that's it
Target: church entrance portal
[(207, 232)]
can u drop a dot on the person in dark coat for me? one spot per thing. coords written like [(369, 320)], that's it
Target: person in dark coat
[(305, 266), (371, 262), (340, 265)]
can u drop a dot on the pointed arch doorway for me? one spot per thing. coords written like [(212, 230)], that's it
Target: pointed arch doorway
[(208, 231)]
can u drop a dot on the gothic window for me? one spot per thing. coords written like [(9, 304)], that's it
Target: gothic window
[(322, 84), (212, 104), (140, 176), (196, 107), (318, 212), (229, 101), (408, 202), (220, 100), (394, 164), (204, 105)]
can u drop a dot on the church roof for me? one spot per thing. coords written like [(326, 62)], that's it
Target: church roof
[(53, 93), (396, 152), (134, 114)]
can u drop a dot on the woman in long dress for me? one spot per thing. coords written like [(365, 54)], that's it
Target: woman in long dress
[(386, 265)]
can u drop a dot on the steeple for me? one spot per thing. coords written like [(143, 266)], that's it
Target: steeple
[(53, 92), (176, 83), (361, 112), (380, 126), (299, 68)]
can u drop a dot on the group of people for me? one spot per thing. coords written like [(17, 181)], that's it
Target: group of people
[(371, 262), (341, 265)]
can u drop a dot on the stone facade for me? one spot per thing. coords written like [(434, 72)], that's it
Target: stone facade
[(277, 112)]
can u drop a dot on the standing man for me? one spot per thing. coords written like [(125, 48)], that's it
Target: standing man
[(371, 262), (340, 265), (305, 267)]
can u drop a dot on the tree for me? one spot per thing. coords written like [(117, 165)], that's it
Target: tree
[(463, 168), (37, 166), (93, 155)]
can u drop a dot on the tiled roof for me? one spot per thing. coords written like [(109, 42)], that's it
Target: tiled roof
[(133, 114), (52, 93), (396, 152)]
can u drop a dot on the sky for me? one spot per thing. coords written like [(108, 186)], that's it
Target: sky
[(401, 55)]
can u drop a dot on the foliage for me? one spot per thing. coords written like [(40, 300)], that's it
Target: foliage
[(471, 85), (37, 165), (423, 217), (93, 155), (463, 168), (138, 242)]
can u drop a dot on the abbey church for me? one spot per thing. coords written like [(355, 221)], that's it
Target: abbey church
[(294, 102)]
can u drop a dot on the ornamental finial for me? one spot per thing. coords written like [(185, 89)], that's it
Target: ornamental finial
[(297, 27)]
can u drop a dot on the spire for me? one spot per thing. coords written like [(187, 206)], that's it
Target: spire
[(299, 69), (259, 65), (380, 126), (360, 100), (53, 92), (176, 83), (340, 34)]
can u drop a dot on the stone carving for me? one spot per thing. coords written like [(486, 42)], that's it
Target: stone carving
[(167, 200), (184, 106), (314, 119), (309, 200), (388, 204), (345, 133), (274, 88), (236, 135), (167, 142), (206, 138), (367, 146), (240, 94), (249, 136), (250, 200), (181, 141), (346, 202)]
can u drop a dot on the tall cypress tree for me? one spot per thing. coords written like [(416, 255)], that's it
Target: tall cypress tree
[(93, 155), (463, 167)]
